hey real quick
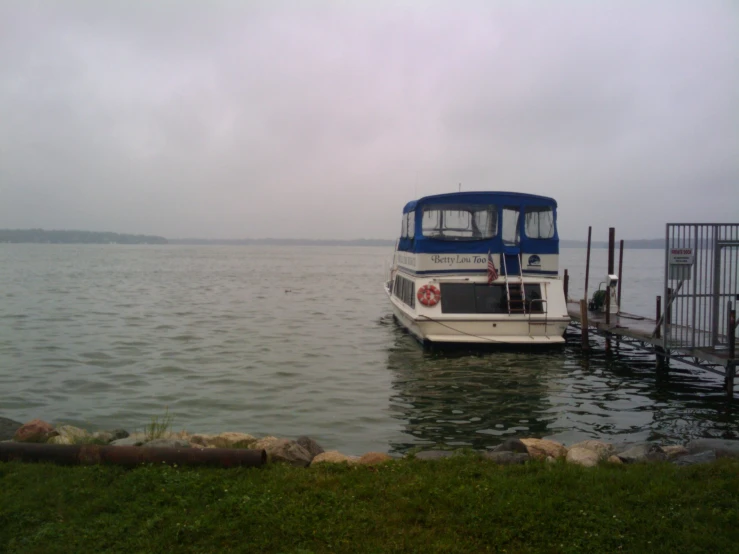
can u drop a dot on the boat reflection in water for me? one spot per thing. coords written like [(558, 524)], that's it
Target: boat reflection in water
[(471, 397)]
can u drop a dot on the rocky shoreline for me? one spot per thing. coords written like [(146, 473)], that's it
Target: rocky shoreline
[(304, 451)]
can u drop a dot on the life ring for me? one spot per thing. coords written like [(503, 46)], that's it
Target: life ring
[(429, 295)]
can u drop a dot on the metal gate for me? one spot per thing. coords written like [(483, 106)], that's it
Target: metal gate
[(701, 285)]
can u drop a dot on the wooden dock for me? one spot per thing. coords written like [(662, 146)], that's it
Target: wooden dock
[(645, 330)]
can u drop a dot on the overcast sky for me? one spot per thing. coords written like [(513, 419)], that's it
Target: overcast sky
[(321, 119)]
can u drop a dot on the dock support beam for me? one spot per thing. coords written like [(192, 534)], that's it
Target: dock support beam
[(729, 379), (584, 325)]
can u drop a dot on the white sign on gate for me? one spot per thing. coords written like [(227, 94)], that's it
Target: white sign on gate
[(682, 256), (681, 263)]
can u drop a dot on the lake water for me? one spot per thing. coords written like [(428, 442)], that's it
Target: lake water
[(289, 341)]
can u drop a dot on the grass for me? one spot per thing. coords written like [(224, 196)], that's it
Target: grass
[(158, 428), (461, 504)]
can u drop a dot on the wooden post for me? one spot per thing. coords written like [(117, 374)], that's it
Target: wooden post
[(611, 246), (658, 350), (620, 271), (567, 285), (587, 265), (731, 330), (584, 324)]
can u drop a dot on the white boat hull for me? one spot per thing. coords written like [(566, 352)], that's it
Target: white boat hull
[(491, 329)]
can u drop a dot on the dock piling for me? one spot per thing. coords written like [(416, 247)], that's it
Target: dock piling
[(584, 324), (567, 285), (587, 266), (620, 271)]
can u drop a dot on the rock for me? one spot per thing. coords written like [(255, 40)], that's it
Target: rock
[(102, 437), (8, 428), (137, 439), (334, 457), (614, 460), (507, 457), (34, 431), (583, 456), (675, 451), (310, 445), (541, 448), (284, 450), (643, 453), (224, 440), (434, 454), (119, 434), (511, 445), (602, 449), (265, 442), (374, 458), (67, 434), (722, 447), (166, 443), (693, 459)]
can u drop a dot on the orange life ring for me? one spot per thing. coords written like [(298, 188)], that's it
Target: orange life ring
[(429, 295)]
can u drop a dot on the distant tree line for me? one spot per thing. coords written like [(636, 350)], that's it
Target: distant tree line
[(75, 237), (284, 242)]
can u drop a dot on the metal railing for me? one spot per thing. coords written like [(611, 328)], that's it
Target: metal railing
[(701, 280)]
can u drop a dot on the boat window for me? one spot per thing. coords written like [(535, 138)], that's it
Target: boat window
[(511, 233), (460, 222), (411, 224), (468, 298), (405, 290), (539, 222)]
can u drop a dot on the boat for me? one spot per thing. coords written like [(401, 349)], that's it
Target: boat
[(479, 267)]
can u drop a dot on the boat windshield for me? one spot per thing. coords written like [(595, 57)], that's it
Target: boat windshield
[(460, 222)]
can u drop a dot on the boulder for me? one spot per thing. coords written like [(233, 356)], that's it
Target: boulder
[(67, 434), (119, 434), (541, 448), (8, 428), (374, 458), (34, 431), (511, 445), (434, 454), (166, 443), (693, 459), (137, 439), (723, 448), (675, 451), (507, 457), (583, 456), (614, 460), (643, 453), (102, 437), (224, 440), (334, 457), (310, 445), (602, 449), (284, 450)]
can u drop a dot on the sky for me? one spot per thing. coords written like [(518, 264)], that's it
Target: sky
[(321, 119)]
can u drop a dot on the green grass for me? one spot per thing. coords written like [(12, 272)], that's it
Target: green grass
[(461, 504), (158, 428)]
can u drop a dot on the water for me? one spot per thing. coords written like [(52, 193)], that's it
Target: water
[(290, 341)]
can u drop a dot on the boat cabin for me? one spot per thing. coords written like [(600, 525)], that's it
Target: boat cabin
[(453, 233)]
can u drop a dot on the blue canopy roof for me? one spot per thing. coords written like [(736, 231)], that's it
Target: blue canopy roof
[(424, 244), (483, 198)]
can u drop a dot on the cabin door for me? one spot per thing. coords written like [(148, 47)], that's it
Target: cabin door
[(511, 240)]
